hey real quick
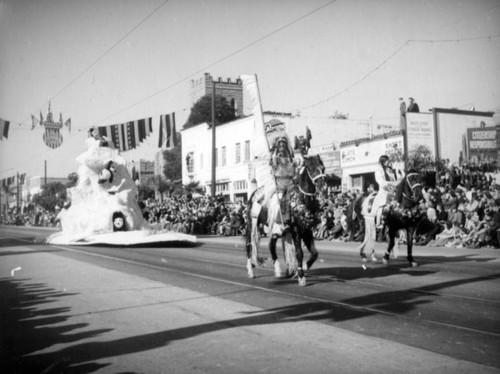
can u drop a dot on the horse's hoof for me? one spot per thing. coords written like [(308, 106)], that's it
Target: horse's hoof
[(277, 270), (414, 264), (374, 258), (302, 281), (251, 274), (385, 259)]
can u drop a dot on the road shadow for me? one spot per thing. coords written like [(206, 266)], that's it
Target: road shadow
[(384, 304), (28, 324)]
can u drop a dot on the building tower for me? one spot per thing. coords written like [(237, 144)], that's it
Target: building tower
[(232, 91)]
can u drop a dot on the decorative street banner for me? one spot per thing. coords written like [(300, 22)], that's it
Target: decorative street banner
[(482, 144), (52, 136), (421, 135), (4, 129), (168, 132), (127, 136)]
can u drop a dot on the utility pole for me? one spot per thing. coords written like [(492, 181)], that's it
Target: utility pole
[(17, 192), (213, 189)]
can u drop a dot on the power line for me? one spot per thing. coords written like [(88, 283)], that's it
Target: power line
[(399, 49), (203, 69), (100, 57)]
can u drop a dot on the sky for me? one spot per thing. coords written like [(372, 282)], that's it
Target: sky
[(106, 62)]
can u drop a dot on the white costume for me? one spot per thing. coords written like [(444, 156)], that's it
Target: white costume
[(387, 184)]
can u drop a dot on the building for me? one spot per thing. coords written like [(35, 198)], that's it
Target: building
[(234, 149), (359, 158), (232, 91)]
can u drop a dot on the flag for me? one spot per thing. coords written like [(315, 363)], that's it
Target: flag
[(34, 122), (4, 129), (260, 148), (127, 136), (68, 124), (22, 178), (167, 137)]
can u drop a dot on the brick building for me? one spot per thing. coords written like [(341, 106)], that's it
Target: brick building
[(232, 91)]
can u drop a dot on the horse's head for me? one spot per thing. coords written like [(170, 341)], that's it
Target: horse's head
[(312, 175), (411, 190)]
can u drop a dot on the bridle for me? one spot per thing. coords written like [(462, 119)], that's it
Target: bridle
[(412, 198), (313, 179)]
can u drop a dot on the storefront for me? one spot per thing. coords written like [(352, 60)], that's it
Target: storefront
[(359, 158)]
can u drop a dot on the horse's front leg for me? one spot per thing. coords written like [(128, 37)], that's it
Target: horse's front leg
[(300, 257), (308, 239), (409, 246), (274, 256), (387, 254)]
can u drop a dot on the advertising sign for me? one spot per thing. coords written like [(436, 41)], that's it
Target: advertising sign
[(330, 157), (421, 135), (369, 152), (452, 127), (482, 144)]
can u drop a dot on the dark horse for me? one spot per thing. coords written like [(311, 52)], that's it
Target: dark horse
[(404, 215), (304, 205)]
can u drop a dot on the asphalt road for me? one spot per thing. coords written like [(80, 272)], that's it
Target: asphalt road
[(193, 309)]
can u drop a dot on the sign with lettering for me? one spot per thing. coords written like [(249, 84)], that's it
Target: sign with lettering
[(482, 143), (421, 135)]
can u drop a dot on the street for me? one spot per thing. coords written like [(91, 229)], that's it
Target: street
[(192, 309)]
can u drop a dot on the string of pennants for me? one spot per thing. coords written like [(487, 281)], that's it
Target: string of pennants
[(7, 182), (125, 136)]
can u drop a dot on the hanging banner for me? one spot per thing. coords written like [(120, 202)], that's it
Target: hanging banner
[(127, 136), (168, 133), (52, 136), (4, 129)]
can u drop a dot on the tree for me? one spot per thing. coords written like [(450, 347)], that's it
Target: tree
[(145, 192), (202, 111), (193, 187), (339, 115), (52, 195), (173, 163)]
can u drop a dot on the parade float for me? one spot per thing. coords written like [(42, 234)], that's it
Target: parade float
[(102, 206)]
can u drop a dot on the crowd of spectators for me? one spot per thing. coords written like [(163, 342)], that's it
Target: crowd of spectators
[(460, 209)]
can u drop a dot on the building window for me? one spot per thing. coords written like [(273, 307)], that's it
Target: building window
[(247, 150), (240, 185), (238, 153), (221, 188), (190, 162), (223, 156)]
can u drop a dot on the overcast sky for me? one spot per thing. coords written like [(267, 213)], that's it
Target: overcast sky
[(105, 62)]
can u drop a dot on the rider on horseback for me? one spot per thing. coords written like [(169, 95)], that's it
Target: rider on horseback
[(387, 180), (283, 166)]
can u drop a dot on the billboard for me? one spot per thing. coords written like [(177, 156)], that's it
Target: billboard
[(482, 144), (452, 128), (330, 157), (421, 134)]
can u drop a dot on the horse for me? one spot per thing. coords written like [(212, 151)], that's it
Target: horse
[(403, 215), (303, 205)]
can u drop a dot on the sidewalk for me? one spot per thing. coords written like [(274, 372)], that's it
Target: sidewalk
[(57, 312)]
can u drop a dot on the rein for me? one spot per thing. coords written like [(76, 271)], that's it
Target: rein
[(412, 198), (311, 194)]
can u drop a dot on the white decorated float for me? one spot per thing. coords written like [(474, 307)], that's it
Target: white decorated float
[(103, 208)]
